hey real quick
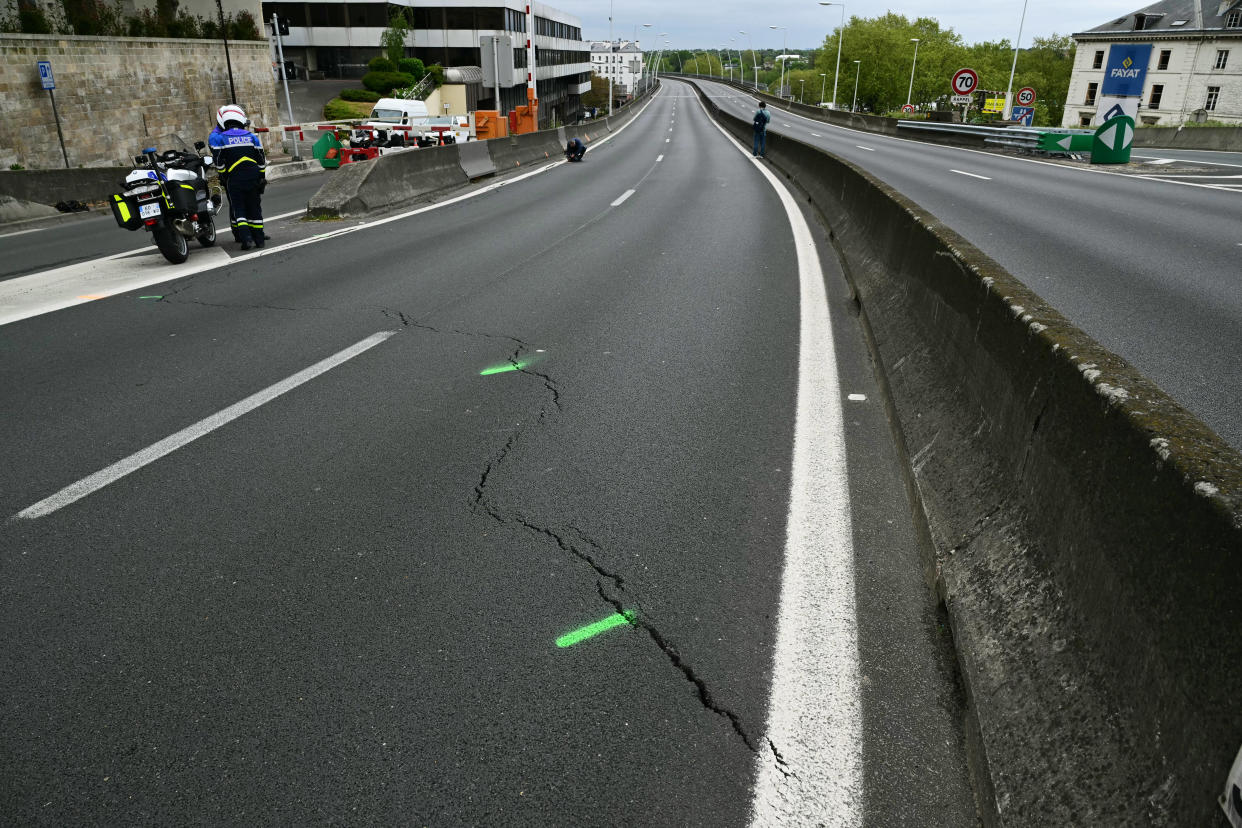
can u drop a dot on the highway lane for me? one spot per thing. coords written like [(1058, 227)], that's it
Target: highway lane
[(1147, 267), (28, 250), (343, 604)]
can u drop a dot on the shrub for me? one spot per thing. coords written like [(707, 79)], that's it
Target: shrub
[(339, 110), (244, 27), (381, 64), (363, 95), (385, 82), (437, 73), (412, 66)]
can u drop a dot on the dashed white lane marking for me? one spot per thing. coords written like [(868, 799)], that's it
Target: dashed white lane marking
[(622, 198), (96, 481), (659, 158), (816, 135), (815, 708), (670, 129), (858, 397), (972, 175), (668, 140), (861, 147)]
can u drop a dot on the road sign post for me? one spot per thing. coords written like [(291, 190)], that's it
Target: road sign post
[(964, 83), (49, 83)]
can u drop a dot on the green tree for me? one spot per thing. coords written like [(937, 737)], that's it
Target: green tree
[(393, 38), (598, 96)]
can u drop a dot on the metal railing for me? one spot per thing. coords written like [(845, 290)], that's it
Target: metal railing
[(1027, 138)]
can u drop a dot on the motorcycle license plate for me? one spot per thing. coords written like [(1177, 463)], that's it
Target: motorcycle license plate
[(149, 210)]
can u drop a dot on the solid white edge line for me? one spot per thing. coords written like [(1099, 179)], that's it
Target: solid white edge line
[(270, 250), (972, 175), (815, 707), (101, 478), (622, 198), (1088, 170), (861, 147)]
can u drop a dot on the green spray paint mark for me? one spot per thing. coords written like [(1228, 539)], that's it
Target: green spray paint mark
[(500, 369), (150, 297), (592, 630)]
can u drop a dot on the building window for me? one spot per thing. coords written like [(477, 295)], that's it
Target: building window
[(1233, 20), (1157, 92), (1084, 119), (1099, 60), (1222, 57), (1091, 89), (1165, 54), (1212, 98)]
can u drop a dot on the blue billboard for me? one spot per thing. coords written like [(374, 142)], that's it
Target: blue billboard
[(1126, 70)]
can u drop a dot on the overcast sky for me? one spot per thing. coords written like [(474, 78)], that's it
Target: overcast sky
[(700, 24)]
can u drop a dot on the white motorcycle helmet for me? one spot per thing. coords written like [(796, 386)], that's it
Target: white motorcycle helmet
[(230, 112)]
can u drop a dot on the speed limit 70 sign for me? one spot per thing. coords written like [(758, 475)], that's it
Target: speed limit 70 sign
[(1026, 96), (965, 81)]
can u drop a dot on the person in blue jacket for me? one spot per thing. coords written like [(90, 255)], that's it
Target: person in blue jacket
[(761, 120), (575, 149), (243, 171)]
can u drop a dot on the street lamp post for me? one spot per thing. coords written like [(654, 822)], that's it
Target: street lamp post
[(910, 91), (784, 48), (1008, 113), (857, 70), (753, 60), (801, 88), (822, 85), (611, 46), (840, 39)]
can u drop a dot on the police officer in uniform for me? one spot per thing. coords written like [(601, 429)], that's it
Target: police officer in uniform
[(243, 167)]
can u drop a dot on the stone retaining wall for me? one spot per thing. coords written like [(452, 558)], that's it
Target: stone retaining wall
[(117, 95)]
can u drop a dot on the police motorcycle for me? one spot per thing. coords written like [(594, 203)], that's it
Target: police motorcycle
[(167, 194)]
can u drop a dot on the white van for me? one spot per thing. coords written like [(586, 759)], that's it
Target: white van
[(398, 112)]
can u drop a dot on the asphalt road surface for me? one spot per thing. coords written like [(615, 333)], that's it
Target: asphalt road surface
[(1147, 265), (293, 537)]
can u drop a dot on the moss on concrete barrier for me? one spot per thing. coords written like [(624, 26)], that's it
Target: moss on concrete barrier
[(1086, 530)]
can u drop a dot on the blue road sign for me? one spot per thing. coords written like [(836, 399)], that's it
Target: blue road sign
[(1127, 67), (45, 74), (1025, 114)]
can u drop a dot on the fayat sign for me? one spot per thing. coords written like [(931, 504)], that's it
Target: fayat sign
[(1127, 69)]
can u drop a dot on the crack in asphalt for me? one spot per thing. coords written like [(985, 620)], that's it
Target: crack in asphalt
[(576, 543)]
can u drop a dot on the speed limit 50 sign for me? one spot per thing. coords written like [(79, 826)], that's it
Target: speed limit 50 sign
[(1026, 96), (965, 81)]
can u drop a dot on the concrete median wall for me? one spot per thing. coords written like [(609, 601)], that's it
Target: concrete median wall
[(51, 186), (388, 181), (1085, 530), (1228, 139)]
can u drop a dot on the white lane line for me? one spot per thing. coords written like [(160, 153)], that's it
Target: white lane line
[(815, 708), (670, 129), (24, 232), (96, 481), (1160, 161), (659, 159), (868, 149), (668, 140), (858, 397), (816, 135), (972, 175), (623, 197)]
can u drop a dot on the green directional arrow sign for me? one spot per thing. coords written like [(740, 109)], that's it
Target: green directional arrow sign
[(1056, 142), (1112, 141)]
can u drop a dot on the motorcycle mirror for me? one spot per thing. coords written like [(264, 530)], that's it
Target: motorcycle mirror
[(198, 145)]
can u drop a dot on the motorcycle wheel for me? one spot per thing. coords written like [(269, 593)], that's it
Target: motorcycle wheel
[(207, 231), (171, 243)]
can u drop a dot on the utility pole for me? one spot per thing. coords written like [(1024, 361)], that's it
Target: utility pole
[(224, 33)]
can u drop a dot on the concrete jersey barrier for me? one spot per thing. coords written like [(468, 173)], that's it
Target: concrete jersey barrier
[(1085, 531), (397, 179)]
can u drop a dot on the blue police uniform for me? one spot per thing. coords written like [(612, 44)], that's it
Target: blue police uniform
[(243, 167)]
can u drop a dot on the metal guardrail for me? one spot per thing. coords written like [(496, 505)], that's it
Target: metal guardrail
[(1010, 136)]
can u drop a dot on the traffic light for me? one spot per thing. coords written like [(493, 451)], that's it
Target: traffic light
[(282, 25)]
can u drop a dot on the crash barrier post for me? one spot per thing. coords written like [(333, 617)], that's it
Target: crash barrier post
[(1085, 530)]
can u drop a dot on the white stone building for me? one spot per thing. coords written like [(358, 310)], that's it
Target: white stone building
[(1195, 70), (621, 61)]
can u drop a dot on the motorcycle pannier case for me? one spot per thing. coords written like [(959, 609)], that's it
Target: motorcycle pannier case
[(125, 211), (183, 196)]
